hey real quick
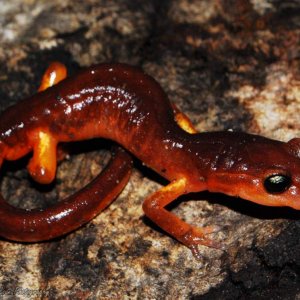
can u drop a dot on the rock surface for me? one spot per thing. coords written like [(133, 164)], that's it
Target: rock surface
[(227, 65)]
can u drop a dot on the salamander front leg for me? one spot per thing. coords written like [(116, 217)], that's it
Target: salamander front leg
[(154, 208), (183, 121), (55, 73), (42, 166)]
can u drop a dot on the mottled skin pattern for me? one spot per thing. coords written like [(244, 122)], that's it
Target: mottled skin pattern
[(121, 103)]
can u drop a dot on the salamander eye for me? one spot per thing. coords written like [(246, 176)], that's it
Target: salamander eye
[(277, 183)]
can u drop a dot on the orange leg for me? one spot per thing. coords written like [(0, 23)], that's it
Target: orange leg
[(55, 73), (192, 237), (183, 121), (42, 166), (154, 205)]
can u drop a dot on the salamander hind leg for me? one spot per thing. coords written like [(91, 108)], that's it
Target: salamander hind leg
[(192, 237), (42, 165)]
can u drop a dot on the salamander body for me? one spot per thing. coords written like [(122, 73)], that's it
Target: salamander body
[(122, 103)]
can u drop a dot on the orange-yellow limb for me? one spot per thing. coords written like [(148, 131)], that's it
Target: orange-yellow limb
[(55, 73), (154, 208), (42, 166), (183, 120)]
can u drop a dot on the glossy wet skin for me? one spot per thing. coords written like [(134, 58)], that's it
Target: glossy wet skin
[(123, 104), (245, 164), (238, 164), (72, 212)]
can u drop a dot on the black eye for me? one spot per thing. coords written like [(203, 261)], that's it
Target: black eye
[(277, 183)]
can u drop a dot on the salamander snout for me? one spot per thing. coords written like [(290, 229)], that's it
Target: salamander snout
[(281, 182)]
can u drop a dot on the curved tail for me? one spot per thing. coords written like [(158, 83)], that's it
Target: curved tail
[(74, 211)]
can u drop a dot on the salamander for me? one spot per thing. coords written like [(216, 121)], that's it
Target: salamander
[(121, 103)]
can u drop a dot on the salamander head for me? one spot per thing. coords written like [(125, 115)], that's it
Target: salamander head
[(265, 172)]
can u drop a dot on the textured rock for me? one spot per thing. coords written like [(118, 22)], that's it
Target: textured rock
[(227, 65)]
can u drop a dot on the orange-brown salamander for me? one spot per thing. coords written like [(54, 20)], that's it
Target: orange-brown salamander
[(122, 103)]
